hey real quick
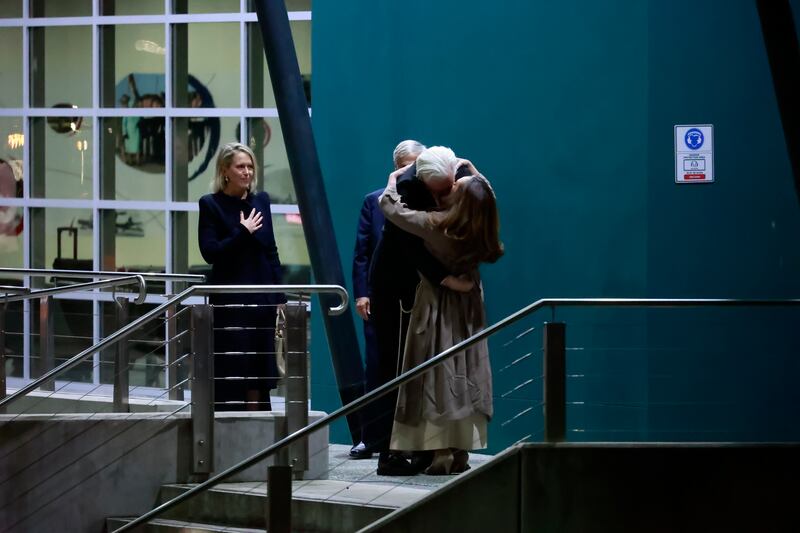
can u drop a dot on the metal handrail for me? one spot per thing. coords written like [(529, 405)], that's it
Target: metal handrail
[(153, 276), (423, 367), (126, 331), (126, 280)]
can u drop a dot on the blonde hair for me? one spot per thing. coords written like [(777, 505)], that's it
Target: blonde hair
[(224, 158)]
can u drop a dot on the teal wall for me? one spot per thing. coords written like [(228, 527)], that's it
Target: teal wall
[(569, 109)]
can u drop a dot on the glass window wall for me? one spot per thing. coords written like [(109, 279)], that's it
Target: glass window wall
[(118, 135)]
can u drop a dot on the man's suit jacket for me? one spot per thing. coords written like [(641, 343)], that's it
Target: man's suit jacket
[(370, 228), (400, 255)]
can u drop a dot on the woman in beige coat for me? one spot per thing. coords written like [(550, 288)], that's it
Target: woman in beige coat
[(447, 408)]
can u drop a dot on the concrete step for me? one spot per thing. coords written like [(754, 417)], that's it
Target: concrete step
[(160, 525), (318, 505)]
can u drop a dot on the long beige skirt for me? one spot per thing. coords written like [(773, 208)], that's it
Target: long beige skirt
[(465, 434)]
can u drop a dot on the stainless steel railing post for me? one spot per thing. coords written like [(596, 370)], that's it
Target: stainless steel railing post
[(46, 340), (297, 383), (175, 347), (279, 499), (555, 382), (121, 361), (202, 327)]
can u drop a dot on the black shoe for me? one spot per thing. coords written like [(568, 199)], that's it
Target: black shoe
[(393, 464), (421, 460), (360, 451)]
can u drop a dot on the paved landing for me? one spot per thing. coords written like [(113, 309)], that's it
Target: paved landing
[(356, 482)]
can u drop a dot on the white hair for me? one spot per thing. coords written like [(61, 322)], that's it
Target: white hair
[(407, 148), (436, 164)]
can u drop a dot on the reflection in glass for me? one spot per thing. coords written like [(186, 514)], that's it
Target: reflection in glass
[(145, 350), (72, 328), (11, 217), (275, 177), (60, 8), (292, 248), (260, 92), (11, 223), (133, 240), (133, 7), (61, 238), (61, 66), (134, 60), (193, 7), (10, 9), (196, 263), (291, 5), (196, 143), (14, 336), (132, 158), (207, 60), (61, 157), (10, 67)]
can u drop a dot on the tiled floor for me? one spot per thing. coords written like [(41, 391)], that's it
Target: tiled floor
[(355, 481)]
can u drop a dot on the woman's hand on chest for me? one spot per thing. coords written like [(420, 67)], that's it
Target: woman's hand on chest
[(253, 221)]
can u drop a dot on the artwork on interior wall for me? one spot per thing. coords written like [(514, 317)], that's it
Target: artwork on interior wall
[(65, 125), (140, 141)]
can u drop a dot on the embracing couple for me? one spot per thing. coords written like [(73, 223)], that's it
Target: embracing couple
[(426, 297)]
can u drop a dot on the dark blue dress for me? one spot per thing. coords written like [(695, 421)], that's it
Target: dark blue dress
[(244, 359)]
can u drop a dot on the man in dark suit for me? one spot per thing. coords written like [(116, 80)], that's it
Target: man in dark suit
[(370, 228), (394, 275)]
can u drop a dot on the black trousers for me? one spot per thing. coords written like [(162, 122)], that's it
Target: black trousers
[(390, 324)]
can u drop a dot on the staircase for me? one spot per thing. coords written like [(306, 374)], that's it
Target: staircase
[(351, 498)]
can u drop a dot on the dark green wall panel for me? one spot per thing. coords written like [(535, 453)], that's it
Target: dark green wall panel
[(569, 108)]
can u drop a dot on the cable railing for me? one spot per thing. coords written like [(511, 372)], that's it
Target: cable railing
[(552, 376), (198, 290), (47, 309)]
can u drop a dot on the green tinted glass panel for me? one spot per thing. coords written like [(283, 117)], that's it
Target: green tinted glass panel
[(11, 182), (266, 140), (197, 142), (61, 157), (10, 67), (61, 66), (61, 238), (134, 7), (193, 7), (133, 240), (133, 158), (210, 52), (10, 8), (61, 8), (259, 93), (291, 5)]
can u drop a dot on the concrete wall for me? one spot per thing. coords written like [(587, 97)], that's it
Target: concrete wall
[(76, 470), (585, 488)]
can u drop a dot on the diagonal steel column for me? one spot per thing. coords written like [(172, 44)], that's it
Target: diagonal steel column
[(780, 40), (314, 209)]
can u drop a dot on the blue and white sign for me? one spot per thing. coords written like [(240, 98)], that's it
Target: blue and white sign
[(694, 139), (694, 153)]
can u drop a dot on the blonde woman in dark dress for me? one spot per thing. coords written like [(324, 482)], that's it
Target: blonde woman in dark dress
[(236, 239), (447, 409)]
